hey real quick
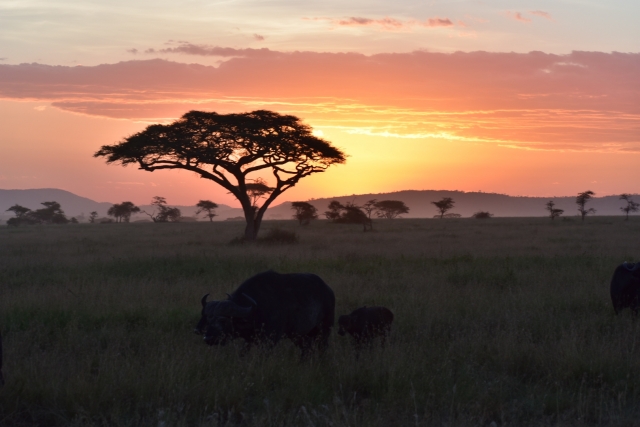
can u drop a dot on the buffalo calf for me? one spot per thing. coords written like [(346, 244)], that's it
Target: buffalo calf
[(365, 324)]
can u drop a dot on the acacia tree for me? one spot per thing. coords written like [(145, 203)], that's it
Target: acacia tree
[(122, 211), (369, 209), (304, 212), (208, 207), (582, 200), (335, 209), (553, 212), (92, 217), (391, 209), (444, 205), (165, 213), (631, 205), (227, 148)]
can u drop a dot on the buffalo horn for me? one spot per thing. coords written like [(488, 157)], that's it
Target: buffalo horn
[(251, 300), (228, 296), (203, 301)]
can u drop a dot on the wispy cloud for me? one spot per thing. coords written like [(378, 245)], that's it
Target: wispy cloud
[(439, 22), (517, 16), (258, 37), (386, 23), (187, 48), (389, 24), (542, 14)]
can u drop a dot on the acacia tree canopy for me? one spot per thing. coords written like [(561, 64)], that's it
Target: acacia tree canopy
[(208, 207), (227, 148), (631, 205), (444, 205), (582, 200), (304, 212)]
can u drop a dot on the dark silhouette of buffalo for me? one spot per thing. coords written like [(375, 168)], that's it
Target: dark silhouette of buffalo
[(270, 306), (365, 324), (625, 287), (1, 376)]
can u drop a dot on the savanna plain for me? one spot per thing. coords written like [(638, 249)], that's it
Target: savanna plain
[(505, 321)]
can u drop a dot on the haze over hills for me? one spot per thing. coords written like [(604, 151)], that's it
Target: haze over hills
[(419, 202)]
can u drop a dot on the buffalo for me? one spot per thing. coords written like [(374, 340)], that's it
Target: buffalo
[(365, 324), (625, 287), (268, 307), (1, 376)]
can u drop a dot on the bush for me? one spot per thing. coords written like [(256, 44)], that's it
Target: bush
[(481, 215), (279, 236)]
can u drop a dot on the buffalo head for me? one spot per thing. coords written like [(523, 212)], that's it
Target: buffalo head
[(218, 317)]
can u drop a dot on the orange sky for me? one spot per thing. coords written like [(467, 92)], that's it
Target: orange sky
[(516, 123)]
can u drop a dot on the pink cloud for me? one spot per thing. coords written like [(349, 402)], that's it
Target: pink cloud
[(386, 23), (439, 22), (390, 24), (580, 98), (258, 37), (541, 14), (517, 16), (187, 48)]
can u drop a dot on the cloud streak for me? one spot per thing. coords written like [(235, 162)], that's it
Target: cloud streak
[(542, 14), (518, 17), (391, 24), (581, 101)]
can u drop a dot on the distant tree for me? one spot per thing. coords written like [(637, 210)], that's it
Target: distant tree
[(73, 220), (304, 212), (369, 209), (391, 209), (444, 205), (450, 215), (52, 213), (482, 215), (164, 213), (553, 212), (19, 211), (122, 211), (22, 216), (349, 213), (92, 217), (208, 207), (335, 208), (227, 149), (631, 205), (582, 200), (353, 214)]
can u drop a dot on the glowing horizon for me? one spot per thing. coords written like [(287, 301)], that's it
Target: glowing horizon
[(485, 111)]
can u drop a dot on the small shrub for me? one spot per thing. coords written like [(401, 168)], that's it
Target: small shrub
[(279, 236), (481, 215)]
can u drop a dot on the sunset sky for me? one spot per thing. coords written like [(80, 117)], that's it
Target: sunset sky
[(536, 98)]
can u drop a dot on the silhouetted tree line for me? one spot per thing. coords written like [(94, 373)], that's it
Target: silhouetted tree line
[(52, 213), (350, 213)]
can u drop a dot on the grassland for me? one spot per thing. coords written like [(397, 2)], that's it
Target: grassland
[(502, 320)]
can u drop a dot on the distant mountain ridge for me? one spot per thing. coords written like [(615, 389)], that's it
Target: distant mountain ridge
[(419, 202)]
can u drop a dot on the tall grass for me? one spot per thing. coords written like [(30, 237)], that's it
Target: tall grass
[(505, 321)]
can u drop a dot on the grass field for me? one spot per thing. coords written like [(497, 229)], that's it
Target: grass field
[(501, 320)]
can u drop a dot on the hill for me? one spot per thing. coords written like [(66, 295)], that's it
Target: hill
[(466, 204), (419, 202)]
